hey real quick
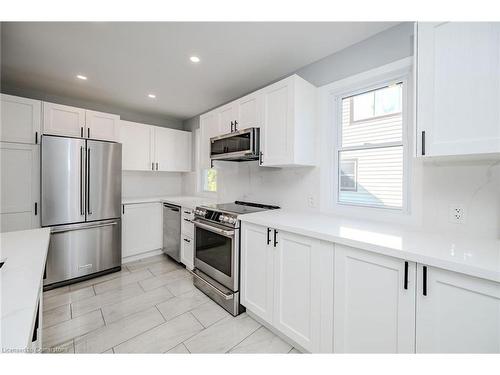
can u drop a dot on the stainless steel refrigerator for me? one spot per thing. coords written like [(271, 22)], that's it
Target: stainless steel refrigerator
[(81, 202)]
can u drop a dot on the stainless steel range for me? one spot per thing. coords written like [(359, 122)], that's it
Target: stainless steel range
[(217, 251)]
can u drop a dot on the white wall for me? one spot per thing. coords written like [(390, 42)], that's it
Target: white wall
[(150, 184)]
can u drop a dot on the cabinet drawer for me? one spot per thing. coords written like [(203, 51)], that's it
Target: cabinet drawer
[(187, 252), (187, 222)]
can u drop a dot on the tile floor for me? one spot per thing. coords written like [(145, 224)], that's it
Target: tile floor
[(150, 306)]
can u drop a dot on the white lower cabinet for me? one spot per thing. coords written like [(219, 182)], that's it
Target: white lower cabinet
[(374, 308), (187, 252), (286, 280), (19, 186), (456, 313), (142, 228)]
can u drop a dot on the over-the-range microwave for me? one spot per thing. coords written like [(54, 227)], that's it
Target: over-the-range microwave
[(242, 145)]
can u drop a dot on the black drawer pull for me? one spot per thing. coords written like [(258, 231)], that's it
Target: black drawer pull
[(186, 240), (275, 233), (424, 281), (406, 276), (268, 236), (423, 142)]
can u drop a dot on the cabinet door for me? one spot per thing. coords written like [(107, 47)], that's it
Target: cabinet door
[(277, 131), (21, 118), (257, 262), (187, 252), (102, 126), (299, 280), (142, 228), (458, 87), (250, 111), (209, 127), (20, 187), (228, 115), (61, 119), (136, 146), (373, 312), (459, 314), (181, 154)]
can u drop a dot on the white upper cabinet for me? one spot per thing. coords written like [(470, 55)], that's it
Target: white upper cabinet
[(19, 186), (21, 119), (69, 121), (61, 119), (458, 88), (136, 140), (374, 308), (249, 111), (172, 150), (456, 313), (288, 132), (228, 118), (103, 126), (209, 127)]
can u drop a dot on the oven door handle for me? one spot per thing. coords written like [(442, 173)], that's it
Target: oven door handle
[(210, 228), (216, 290)]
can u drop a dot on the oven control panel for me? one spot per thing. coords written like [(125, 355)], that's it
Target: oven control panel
[(216, 216)]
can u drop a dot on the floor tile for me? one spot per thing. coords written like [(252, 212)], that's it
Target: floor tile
[(56, 291), (262, 341), (111, 297), (164, 337), (181, 304), (121, 281), (58, 315), (181, 286), (70, 329), (67, 298), (179, 349), (145, 262), (64, 348), (294, 351), (114, 334), (223, 335), (100, 279), (164, 267), (143, 301), (163, 279), (209, 313)]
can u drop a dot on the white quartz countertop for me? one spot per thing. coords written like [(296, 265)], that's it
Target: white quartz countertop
[(24, 253), (472, 256), (183, 201)]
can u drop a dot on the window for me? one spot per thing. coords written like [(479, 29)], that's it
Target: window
[(209, 180), (370, 148)]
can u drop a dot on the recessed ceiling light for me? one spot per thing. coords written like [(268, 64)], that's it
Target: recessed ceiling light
[(79, 76), (152, 96), (194, 59)]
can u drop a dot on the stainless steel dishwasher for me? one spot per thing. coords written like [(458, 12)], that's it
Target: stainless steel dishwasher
[(172, 231)]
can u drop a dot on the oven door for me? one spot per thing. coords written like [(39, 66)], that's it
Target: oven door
[(217, 252), (243, 144)]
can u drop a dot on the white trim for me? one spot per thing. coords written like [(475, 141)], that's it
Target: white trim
[(398, 70)]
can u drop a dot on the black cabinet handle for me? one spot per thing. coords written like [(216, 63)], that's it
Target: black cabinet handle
[(424, 280), (36, 208), (261, 158), (232, 126), (186, 240), (189, 221), (268, 236), (423, 142), (406, 276), (235, 123), (275, 233), (88, 132), (81, 131), (123, 209), (187, 212), (36, 138)]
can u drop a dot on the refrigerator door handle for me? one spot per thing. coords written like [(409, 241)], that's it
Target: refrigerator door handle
[(71, 229), (89, 210), (82, 182)]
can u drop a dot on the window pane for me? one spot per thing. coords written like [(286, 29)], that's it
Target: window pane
[(363, 106), (385, 123), (379, 177), (210, 180)]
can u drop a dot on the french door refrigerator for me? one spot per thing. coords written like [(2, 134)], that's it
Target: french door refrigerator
[(81, 202)]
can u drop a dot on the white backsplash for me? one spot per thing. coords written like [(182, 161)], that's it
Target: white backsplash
[(150, 184)]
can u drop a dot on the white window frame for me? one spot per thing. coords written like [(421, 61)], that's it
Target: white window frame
[(200, 175), (330, 128)]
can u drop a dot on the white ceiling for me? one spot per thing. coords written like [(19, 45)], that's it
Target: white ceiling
[(125, 61)]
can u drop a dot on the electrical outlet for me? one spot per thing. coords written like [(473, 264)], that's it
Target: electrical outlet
[(311, 202), (457, 213)]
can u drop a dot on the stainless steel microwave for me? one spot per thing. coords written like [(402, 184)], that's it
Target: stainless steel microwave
[(241, 145)]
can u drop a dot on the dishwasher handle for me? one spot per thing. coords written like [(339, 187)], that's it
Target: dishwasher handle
[(172, 208)]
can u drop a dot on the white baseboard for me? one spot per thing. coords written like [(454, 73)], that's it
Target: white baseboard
[(276, 332), (146, 254)]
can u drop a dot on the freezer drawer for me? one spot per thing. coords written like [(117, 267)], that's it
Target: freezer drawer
[(83, 249)]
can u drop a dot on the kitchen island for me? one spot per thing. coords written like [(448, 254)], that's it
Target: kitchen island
[(21, 284)]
